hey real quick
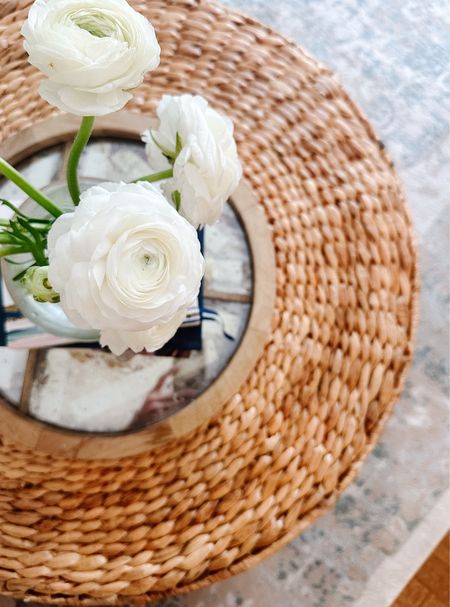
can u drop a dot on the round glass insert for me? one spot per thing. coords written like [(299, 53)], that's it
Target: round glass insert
[(76, 385)]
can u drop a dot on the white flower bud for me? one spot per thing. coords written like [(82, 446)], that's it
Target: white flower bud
[(35, 281)]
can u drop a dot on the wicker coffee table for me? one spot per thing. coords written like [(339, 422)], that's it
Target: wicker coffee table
[(295, 432)]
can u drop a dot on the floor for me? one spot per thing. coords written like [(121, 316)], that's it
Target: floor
[(430, 585)]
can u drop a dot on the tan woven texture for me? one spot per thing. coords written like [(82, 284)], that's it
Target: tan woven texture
[(215, 503)]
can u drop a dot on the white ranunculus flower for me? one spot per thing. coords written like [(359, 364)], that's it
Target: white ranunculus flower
[(94, 52), (157, 336), (126, 263), (198, 142)]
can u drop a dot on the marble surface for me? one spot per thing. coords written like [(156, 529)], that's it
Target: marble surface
[(393, 59)]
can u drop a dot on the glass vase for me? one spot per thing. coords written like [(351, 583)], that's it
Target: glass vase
[(48, 316)]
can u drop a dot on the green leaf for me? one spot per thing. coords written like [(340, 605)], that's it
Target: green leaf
[(167, 153), (17, 211), (20, 275), (15, 228), (12, 250), (18, 232), (179, 144), (12, 207), (176, 198), (7, 238), (26, 225)]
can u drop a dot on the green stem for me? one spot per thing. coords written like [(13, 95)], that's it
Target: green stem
[(13, 175), (78, 146), (156, 176), (12, 250)]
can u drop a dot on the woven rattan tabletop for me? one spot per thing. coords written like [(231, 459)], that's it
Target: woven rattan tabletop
[(296, 432)]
